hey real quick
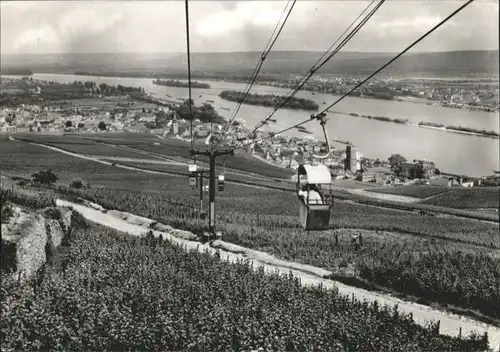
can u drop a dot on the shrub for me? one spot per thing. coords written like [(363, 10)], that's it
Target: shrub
[(6, 212), (77, 183), (45, 177)]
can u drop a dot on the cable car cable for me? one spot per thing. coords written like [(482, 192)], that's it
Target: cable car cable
[(373, 74), (189, 77), (315, 67), (267, 49), (399, 55)]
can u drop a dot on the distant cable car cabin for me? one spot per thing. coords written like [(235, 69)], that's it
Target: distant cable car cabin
[(314, 189), (220, 183)]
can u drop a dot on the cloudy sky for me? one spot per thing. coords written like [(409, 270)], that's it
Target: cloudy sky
[(159, 26)]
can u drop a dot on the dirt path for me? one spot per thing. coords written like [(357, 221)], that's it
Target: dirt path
[(383, 196), (309, 275), (136, 160)]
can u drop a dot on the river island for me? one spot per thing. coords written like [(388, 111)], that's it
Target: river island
[(270, 100), (182, 84)]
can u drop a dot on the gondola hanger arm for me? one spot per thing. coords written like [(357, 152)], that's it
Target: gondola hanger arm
[(322, 120)]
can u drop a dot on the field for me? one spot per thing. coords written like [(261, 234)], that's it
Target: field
[(172, 147), (146, 146), (91, 144), (80, 145), (468, 198), (228, 176), (398, 253), (412, 191), (109, 291)]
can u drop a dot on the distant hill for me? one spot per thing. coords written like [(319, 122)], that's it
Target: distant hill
[(439, 64)]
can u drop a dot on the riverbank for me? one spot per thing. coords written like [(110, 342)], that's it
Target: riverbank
[(459, 129), (424, 124)]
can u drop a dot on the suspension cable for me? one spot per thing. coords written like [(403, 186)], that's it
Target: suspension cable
[(313, 116), (189, 77), (267, 49), (317, 66)]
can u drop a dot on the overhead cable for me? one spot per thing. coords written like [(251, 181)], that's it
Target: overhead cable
[(318, 65), (315, 116), (266, 51), (189, 74)]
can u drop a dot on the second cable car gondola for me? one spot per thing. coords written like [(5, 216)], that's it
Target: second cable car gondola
[(314, 189)]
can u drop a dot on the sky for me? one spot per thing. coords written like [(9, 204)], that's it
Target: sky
[(225, 26)]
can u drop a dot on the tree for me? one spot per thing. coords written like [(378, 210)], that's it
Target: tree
[(68, 123), (365, 163), (81, 125), (396, 161), (101, 125), (419, 171), (45, 177)]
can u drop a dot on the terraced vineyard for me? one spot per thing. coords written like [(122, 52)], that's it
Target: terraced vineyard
[(267, 220), (111, 291)]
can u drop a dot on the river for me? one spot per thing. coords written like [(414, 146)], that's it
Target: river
[(453, 153)]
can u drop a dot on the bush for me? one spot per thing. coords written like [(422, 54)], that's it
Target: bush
[(6, 212), (77, 183), (45, 177)]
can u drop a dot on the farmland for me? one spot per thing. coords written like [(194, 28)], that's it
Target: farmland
[(80, 145), (459, 198), (398, 245), (152, 145), (117, 292), (147, 147), (468, 198)]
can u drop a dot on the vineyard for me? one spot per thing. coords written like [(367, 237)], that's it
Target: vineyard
[(397, 245), (391, 242), (109, 291), (468, 198), (166, 147), (247, 164), (229, 176)]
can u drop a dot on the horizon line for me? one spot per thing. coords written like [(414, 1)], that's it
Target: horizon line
[(233, 52)]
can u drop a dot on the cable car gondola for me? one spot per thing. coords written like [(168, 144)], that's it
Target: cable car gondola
[(314, 190)]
